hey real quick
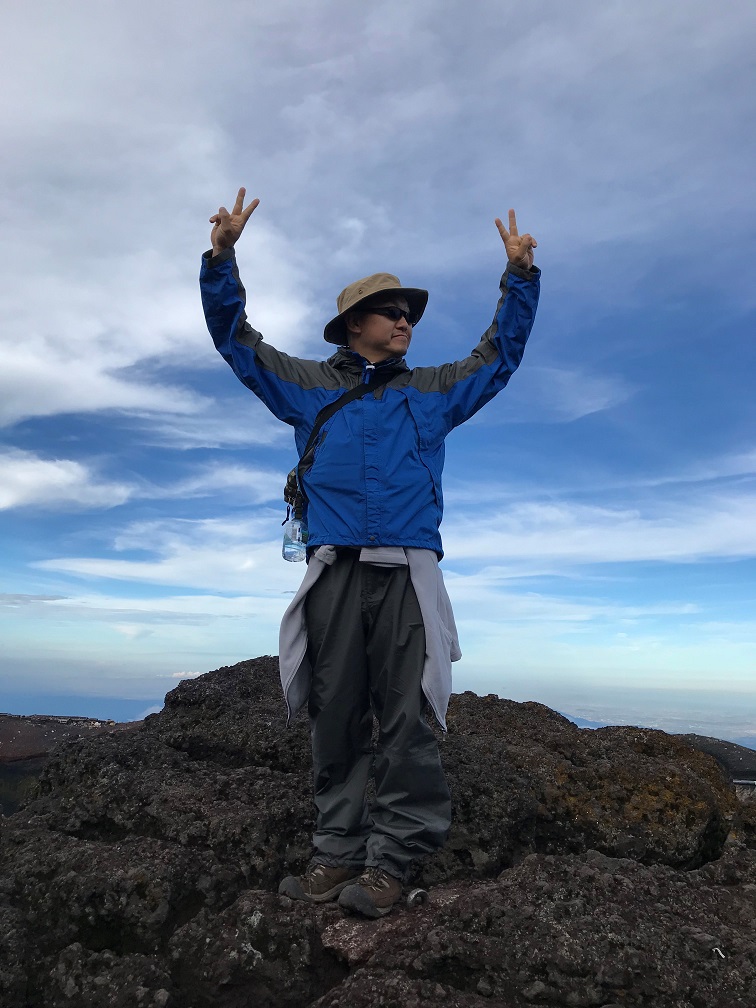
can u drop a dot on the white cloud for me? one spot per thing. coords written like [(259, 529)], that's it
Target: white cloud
[(211, 428), (131, 630), (473, 594), (14, 600), (55, 484), (256, 485), (74, 359), (736, 463), (109, 338), (537, 537), (30, 480), (226, 555), (543, 394), (135, 617)]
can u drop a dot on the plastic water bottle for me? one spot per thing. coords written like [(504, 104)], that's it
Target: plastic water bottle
[(295, 540)]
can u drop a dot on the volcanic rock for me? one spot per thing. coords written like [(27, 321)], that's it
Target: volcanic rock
[(26, 741), (608, 867)]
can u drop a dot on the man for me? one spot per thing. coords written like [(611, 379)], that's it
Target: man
[(371, 630)]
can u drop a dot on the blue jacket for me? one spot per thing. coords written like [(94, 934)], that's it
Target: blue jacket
[(374, 475)]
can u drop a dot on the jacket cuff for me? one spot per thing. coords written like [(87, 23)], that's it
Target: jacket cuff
[(211, 260), (532, 274)]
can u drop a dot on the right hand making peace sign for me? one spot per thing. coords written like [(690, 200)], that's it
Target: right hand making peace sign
[(519, 247), (227, 227)]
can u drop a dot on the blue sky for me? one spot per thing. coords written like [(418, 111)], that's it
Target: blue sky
[(599, 531)]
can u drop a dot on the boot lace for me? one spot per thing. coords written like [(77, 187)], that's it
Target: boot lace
[(376, 878), (318, 871)]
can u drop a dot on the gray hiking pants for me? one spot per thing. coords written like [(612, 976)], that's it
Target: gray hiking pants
[(366, 645)]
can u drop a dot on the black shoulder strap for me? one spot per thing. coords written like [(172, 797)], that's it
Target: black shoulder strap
[(357, 392)]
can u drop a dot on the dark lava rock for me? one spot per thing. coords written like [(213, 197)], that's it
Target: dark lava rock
[(586, 930), (261, 950), (526, 779), (739, 761), (26, 741), (611, 867)]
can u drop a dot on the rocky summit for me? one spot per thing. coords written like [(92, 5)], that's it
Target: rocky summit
[(603, 868)]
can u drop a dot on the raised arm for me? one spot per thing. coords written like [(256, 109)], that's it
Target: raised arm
[(293, 389), (470, 383)]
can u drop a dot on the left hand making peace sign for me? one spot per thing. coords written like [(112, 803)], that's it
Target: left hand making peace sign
[(519, 247)]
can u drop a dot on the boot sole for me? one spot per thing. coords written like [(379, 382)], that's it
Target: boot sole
[(355, 900)]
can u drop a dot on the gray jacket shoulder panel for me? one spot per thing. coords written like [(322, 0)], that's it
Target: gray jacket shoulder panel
[(307, 374), (445, 376)]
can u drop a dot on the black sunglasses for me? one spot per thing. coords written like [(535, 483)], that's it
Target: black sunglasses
[(393, 313)]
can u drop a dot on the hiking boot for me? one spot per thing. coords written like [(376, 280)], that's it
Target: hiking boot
[(373, 894), (319, 884)]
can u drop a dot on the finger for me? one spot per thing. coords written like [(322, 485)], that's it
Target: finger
[(239, 200), (513, 224), (215, 219), (250, 210), (502, 230)]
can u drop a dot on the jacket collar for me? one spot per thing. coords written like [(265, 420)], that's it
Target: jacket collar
[(347, 360)]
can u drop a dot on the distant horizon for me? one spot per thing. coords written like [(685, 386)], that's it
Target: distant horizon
[(673, 711)]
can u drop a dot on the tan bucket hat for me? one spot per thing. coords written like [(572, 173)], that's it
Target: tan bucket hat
[(353, 296)]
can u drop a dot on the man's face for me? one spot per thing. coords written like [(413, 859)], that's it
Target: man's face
[(376, 337)]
